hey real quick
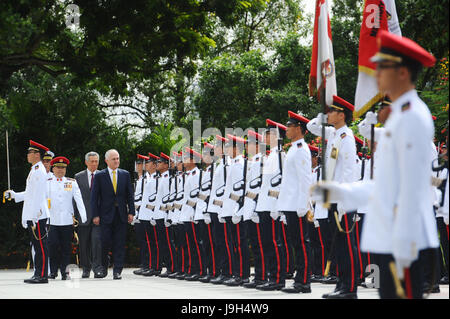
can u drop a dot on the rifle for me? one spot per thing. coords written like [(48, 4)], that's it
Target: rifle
[(224, 178), (280, 173), (240, 199)]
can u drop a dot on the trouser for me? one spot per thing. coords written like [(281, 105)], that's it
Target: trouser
[(141, 244), (149, 259), (318, 260), (204, 235), (429, 259), (60, 248), (179, 235), (443, 236), (412, 282), (363, 257), (222, 246), (273, 247), (39, 241), (90, 247), (254, 235), (195, 260), (345, 250), (289, 253), (239, 238), (114, 236), (298, 233), (326, 233), (164, 246)]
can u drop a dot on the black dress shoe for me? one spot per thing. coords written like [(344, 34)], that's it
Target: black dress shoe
[(330, 280), (341, 294), (173, 275), (219, 280), (297, 288), (164, 274), (138, 271), (52, 276), (117, 276), (336, 289), (65, 277), (444, 280), (86, 274), (253, 283), (317, 278), (427, 289), (270, 286), (205, 279), (36, 280), (100, 274), (148, 272), (289, 276), (233, 282), (193, 277), (181, 276)]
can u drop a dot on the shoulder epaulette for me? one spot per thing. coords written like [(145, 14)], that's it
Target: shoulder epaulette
[(70, 179), (49, 179), (36, 167), (406, 106)]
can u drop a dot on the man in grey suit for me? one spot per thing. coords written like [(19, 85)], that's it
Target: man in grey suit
[(88, 233)]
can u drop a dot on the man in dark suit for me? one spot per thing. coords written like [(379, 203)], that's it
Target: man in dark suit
[(89, 234), (112, 204)]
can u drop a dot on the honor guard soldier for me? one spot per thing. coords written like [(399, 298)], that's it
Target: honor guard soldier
[(255, 145), (340, 167), (139, 184), (64, 192), (191, 191), (222, 241), (177, 196), (233, 201), (150, 257), (269, 218), (204, 220), (35, 211), (164, 246), (293, 200), (399, 224)]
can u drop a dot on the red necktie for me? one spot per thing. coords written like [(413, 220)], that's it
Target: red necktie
[(92, 180)]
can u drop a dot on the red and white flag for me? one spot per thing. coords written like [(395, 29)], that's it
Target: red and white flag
[(377, 15), (323, 71)]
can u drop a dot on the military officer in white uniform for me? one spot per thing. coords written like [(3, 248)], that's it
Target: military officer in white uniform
[(216, 198), (269, 218), (255, 146), (35, 211), (340, 166), (191, 190), (399, 224), (140, 181), (64, 191), (293, 200)]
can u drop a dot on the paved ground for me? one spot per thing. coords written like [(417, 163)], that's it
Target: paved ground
[(138, 287)]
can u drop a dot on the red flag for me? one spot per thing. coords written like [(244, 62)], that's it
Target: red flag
[(322, 71)]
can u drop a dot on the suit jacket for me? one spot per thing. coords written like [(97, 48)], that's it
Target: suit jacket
[(104, 201), (83, 184)]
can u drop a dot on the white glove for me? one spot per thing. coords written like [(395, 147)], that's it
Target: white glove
[(371, 118), (275, 215), (446, 220), (401, 264), (222, 220), (236, 219), (83, 220), (207, 218), (152, 221), (10, 194), (255, 218), (166, 223), (320, 120), (283, 219), (335, 191)]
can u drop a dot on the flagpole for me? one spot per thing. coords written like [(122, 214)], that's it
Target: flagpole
[(322, 98)]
